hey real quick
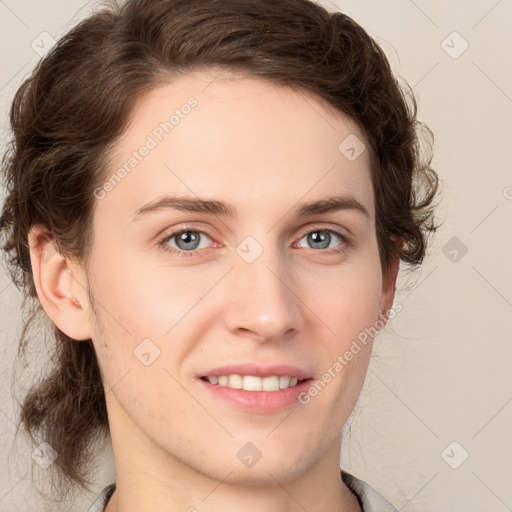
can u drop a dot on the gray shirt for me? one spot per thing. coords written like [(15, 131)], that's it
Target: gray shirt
[(369, 499)]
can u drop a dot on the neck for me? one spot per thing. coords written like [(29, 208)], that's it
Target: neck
[(172, 486), (279, 500)]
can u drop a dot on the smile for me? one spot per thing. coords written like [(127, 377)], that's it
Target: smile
[(254, 383)]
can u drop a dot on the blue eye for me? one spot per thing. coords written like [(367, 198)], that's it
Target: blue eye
[(189, 242), (322, 238), (186, 240)]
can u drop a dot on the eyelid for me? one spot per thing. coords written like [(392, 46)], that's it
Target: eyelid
[(326, 227)]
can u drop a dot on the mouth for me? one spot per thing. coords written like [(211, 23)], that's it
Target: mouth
[(271, 383), (271, 390), (255, 388)]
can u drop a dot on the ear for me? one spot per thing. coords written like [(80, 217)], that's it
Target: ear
[(389, 282), (61, 286)]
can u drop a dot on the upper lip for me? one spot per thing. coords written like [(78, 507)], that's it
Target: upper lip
[(257, 370)]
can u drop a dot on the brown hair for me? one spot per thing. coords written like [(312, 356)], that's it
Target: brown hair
[(68, 114)]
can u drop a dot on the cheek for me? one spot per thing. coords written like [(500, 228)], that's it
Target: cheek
[(150, 310), (149, 299), (346, 298)]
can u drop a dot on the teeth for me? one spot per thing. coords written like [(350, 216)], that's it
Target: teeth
[(284, 381), (270, 384), (253, 383), (235, 381)]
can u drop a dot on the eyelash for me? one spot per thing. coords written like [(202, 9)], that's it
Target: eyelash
[(346, 242)]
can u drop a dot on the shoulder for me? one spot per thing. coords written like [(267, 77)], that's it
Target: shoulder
[(369, 498), (101, 501)]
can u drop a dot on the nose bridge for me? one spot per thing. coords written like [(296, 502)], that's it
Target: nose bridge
[(263, 298)]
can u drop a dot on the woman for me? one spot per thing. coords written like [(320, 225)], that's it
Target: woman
[(210, 199)]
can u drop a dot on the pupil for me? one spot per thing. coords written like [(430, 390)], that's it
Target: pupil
[(321, 237), (188, 237)]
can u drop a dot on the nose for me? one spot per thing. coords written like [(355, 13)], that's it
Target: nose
[(263, 299)]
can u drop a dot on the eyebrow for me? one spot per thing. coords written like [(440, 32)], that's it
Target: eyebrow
[(194, 204)]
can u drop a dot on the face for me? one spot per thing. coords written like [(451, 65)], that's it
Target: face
[(239, 278)]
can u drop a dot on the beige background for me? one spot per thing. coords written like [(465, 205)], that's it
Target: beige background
[(441, 370)]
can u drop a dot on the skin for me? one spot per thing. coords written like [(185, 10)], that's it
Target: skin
[(265, 149)]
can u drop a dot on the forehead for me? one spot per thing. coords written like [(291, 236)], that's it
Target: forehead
[(243, 140)]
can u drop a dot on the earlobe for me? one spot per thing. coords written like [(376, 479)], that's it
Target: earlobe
[(60, 286)]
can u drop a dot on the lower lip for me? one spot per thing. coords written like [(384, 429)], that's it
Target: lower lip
[(258, 401)]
